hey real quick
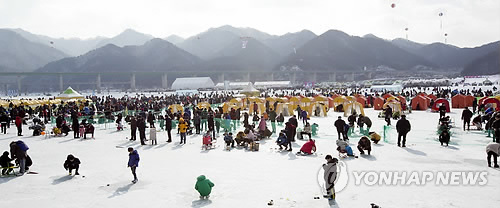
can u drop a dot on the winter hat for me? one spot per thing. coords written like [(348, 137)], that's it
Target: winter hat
[(340, 117), (5, 153), (70, 157)]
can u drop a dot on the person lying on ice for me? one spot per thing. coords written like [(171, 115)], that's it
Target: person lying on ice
[(364, 144), (308, 148)]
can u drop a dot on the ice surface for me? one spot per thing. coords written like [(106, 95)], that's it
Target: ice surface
[(167, 172)]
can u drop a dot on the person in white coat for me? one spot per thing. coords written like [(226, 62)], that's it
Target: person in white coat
[(330, 175), (493, 150)]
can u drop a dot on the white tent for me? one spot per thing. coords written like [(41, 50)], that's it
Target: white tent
[(272, 84), (70, 93), (249, 90), (192, 83), (233, 85)]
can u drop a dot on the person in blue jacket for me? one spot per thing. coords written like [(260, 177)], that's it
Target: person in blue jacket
[(282, 140), (133, 162)]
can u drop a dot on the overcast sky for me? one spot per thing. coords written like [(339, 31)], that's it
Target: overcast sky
[(467, 22)]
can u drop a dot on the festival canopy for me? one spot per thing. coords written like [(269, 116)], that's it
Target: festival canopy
[(70, 93), (192, 83)]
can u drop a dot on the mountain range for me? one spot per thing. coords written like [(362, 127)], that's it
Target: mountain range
[(228, 48)]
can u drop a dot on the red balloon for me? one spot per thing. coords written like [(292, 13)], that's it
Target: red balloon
[(393, 5)]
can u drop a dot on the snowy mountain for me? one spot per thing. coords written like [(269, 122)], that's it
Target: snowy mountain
[(175, 39), (21, 55), (126, 38), (70, 46)]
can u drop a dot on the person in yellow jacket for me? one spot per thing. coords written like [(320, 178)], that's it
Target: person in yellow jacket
[(374, 137), (182, 130)]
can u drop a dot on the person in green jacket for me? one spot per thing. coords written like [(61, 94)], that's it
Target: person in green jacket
[(203, 186)]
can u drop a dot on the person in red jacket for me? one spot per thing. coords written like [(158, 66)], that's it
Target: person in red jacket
[(308, 148), (19, 124)]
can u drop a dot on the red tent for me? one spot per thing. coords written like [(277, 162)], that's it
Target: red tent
[(330, 103), (387, 95), (378, 103), (458, 101), (361, 99), (494, 101), (480, 101), (468, 100), (402, 100), (419, 103), (441, 101), (431, 96)]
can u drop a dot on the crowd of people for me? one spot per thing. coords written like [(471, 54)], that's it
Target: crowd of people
[(142, 112)]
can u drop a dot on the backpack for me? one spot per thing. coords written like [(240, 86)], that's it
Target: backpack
[(22, 146)]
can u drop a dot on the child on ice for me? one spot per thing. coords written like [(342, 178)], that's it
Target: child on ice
[(204, 186)]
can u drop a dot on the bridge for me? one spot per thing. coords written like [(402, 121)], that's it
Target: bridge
[(218, 76)]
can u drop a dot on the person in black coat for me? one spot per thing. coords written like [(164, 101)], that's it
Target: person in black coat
[(76, 127), (211, 123), (444, 137), (293, 120), (5, 163), (466, 116), (474, 105), (141, 125), (340, 124), (197, 122), (133, 128), (403, 127), (4, 121), (72, 163), (442, 110), (151, 120), (388, 115), (168, 126)]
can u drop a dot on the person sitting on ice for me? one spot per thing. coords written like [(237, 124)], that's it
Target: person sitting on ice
[(344, 148), (477, 122), (374, 137), (493, 150), (308, 148), (207, 139), (444, 137), (240, 138), (5, 163), (72, 163), (203, 186), (228, 138), (307, 131), (250, 136), (282, 140), (364, 144)]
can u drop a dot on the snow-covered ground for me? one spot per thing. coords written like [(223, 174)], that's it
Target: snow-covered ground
[(167, 172)]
